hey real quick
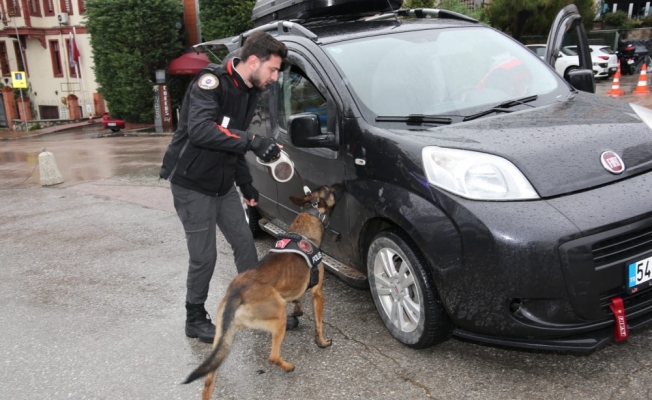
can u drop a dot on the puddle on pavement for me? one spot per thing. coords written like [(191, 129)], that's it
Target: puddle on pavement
[(79, 157)]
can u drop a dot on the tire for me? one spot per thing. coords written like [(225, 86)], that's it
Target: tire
[(420, 321)]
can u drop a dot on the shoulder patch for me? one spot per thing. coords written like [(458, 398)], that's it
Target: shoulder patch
[(208, 82)]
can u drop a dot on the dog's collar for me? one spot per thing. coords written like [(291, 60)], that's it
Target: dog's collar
[(322, 217)]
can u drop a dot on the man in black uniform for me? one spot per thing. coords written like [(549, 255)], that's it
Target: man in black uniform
[(206, 157)]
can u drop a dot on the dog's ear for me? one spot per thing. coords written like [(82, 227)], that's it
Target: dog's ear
[(301, 201)]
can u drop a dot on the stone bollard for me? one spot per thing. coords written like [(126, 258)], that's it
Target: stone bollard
[(48, 169)]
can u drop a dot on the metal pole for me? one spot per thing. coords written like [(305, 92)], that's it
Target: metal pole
[(24, 112), (22, 57)]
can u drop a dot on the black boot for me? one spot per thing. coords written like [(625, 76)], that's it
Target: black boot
[(291, 322), (198, 323)]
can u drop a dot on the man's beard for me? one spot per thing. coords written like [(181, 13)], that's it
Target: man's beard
[(256, 81)]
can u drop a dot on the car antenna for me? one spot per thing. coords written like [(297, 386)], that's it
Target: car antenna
[(392, 9)]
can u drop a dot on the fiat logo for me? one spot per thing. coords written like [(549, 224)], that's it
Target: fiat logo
[(612, 162)]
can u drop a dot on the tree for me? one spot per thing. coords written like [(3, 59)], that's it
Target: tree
[(533, 17), (418, 4), (224, 18), (131, 39)]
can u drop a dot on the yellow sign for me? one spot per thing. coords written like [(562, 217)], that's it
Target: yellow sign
[(19, 79)]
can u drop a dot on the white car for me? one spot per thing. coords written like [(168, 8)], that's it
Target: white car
[(569, 61), (603, 57)]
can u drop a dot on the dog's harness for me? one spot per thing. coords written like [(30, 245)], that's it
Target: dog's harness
[(295, 243)]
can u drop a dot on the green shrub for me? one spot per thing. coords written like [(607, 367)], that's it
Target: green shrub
[(34, 127), (131, 39), (617, 19), (647, 21)]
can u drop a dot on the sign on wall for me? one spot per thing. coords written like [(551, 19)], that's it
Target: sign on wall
[(19, 79)]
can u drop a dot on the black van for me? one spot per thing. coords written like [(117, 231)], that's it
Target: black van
[(486, 197)]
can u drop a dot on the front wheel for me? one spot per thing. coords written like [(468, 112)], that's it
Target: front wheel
[(404, 293)]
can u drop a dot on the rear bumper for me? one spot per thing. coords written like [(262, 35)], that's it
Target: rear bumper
[(582, 343)]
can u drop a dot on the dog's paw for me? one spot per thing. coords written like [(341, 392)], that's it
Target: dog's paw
[(288, 367), (324, 343), (297, 313)]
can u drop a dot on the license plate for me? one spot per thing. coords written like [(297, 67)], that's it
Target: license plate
[(613, 69), (111, 124), (630, 61), (639, 274)]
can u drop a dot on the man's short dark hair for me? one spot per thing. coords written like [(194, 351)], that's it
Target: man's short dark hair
[(263, 46)]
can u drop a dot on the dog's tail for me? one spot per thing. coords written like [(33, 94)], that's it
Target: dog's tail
[(217, 356)]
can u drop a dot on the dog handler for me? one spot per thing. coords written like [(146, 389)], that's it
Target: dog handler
[(206, 157)]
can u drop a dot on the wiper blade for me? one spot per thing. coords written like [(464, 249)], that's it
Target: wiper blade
[(502, 107), (416, 119)]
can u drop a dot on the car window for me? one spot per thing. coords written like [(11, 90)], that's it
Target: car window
[(439, 71), (569, 52), (296, 94)]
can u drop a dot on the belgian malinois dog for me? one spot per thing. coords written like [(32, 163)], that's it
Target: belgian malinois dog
[(256, 298)]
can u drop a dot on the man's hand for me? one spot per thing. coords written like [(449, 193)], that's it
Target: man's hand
[(266, 149), (249, 194)]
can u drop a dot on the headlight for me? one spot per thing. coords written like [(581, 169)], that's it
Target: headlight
[(475, 175)]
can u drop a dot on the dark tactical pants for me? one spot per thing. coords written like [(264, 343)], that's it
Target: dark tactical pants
[(199, 214)]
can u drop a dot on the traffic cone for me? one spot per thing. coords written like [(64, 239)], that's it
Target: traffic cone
[(642, 88), (615, 86)]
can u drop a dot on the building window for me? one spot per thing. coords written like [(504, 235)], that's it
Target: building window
[(66, 6), (19, 59), (35, 8), (82, 6), (4, 60), (13, 8), (55, 54), (48, 8)]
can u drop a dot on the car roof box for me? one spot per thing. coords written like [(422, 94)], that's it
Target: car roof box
[(266, 11)]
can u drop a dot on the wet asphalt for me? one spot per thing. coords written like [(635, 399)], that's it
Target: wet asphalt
[(92, 286)]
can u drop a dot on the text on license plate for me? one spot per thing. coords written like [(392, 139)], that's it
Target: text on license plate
[(111, 124), (639, 272)]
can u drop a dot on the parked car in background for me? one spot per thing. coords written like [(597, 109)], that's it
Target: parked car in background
[(604, 57), (567, 61)]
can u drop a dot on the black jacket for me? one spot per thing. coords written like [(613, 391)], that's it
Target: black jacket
[(207, 150)]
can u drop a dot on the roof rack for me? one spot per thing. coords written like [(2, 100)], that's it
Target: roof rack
[(234, 42), (422, 13)]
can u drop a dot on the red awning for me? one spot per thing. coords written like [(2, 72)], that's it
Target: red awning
[(188, 64)]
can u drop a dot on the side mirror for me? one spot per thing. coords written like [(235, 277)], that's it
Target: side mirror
[(582, 79), (305, 131)]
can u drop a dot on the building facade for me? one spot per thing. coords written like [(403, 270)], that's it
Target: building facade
[(53, 40)]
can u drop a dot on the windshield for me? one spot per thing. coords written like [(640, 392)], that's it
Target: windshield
[(440, 72)]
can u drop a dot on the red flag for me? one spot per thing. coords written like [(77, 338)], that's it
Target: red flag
[(74, 52)]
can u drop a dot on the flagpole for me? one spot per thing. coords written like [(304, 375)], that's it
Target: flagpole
[(79, 72)]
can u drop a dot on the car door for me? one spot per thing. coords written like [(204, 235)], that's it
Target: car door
[(301, 88), (261, 125), (567, 28)]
